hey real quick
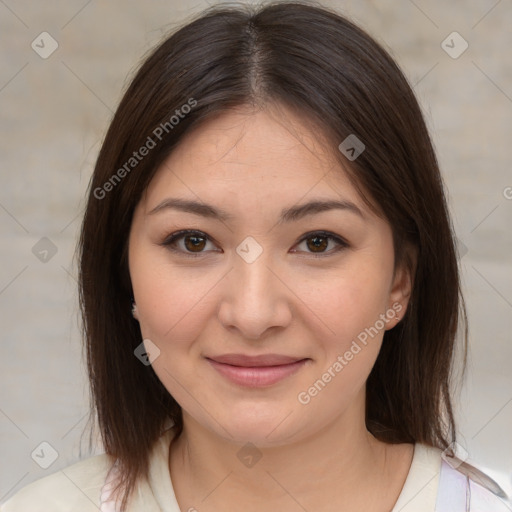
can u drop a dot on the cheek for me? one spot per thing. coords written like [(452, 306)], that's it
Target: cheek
[(172, 301), (350, 306), (173, 309), (348, 301)]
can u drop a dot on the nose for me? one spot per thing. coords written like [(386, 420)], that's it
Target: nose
[(255, 298)]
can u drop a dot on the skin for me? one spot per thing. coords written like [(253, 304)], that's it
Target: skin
[(315, 456)]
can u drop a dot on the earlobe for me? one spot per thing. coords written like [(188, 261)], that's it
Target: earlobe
[(134, 311)]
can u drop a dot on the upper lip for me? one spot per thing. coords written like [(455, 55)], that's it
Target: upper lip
[(261, 360)]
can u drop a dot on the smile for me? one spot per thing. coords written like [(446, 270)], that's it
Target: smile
[(255, 372)]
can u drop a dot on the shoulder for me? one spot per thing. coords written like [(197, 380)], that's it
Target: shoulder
[(436, 483), (74, 488), (420, 488), (463, 486)]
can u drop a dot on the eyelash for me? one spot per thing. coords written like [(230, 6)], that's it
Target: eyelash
[(171, 240)]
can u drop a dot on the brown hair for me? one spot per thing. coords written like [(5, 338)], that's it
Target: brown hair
[(319, 64)]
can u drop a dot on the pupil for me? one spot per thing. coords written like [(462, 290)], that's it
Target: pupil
[(318, 245), (196, 242)]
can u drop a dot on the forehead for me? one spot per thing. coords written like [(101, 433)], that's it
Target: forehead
[(253, 156)]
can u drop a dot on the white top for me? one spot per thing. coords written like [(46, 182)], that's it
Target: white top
[(84, 486)]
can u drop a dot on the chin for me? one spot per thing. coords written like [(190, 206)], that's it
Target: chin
[(264, 428)]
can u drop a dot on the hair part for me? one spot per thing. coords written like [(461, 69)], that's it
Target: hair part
[(320, 65)]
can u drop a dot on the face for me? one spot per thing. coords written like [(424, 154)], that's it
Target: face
[(268, 314)]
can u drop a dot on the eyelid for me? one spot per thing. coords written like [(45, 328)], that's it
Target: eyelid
[(340, 241), (177, 235)]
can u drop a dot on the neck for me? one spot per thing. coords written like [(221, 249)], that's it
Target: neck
[(343, 459)]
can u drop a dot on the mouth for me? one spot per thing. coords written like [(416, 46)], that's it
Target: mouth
[(256, 371)]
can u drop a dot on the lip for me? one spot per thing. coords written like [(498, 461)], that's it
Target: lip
[(256, 371)]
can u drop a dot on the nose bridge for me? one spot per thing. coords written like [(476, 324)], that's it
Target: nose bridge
[(252, 283), (255, 298)]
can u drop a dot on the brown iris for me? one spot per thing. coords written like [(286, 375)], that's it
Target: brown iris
[(319, 242), (197, 243)]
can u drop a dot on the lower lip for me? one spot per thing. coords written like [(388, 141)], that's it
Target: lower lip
[(257, 376)]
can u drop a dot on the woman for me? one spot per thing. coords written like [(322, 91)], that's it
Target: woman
[(269, 283)]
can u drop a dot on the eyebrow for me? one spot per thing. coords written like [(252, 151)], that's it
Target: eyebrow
[(291, 214)]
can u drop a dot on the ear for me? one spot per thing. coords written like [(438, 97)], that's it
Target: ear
[(402, 286), (135, 313)]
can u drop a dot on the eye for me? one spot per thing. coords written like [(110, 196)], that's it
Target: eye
[(193, 242), (318, 241)]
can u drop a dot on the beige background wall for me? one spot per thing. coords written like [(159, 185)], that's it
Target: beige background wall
[(54, 112)]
